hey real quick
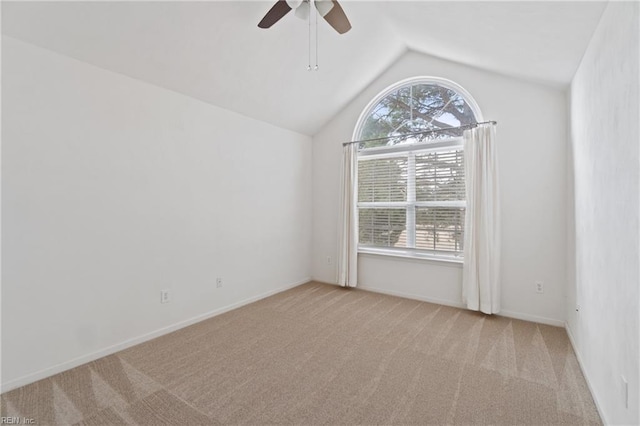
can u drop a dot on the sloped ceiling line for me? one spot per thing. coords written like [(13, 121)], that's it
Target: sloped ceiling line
[(213, 51)]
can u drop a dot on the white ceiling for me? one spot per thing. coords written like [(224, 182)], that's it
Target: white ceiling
[(214, 51)]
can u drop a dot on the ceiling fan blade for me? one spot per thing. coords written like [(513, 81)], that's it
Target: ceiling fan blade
[(337, 18), (276, 13)]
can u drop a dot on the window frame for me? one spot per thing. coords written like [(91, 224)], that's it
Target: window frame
[(402, 148), (410, 151)]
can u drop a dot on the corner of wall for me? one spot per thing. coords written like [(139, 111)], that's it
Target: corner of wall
[(574, 346), (571, 297)]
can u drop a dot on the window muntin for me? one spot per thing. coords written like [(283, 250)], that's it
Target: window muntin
[(411, 189)]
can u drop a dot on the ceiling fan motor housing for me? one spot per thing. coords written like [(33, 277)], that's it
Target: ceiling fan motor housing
[(302, 7)]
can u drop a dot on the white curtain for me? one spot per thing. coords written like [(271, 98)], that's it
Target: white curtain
[(348, 221), (481, 271)]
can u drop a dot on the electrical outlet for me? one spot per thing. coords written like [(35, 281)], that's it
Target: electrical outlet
[(539, 287), (625, 391), (165, 296), (218, 282), (328, 260)]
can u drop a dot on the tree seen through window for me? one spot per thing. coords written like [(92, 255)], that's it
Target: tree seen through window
[(416, 108)]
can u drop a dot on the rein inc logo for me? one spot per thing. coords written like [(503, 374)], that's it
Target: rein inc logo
[(17, 421)]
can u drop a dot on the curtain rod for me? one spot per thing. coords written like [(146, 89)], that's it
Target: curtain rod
[(466, 126)]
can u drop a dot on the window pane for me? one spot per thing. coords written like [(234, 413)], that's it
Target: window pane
[(382, 180), (440, 229), (383, 227), (440, 176)]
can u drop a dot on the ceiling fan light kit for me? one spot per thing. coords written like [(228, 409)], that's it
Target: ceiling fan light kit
[(302, 10), (324, 7), (293, 3)]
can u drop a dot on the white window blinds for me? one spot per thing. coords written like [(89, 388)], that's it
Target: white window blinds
[(412, 198)]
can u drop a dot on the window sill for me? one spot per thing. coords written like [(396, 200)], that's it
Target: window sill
[(409, 254)]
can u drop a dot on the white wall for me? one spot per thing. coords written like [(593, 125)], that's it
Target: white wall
[(532, 148), (113, 189), (605, 95)]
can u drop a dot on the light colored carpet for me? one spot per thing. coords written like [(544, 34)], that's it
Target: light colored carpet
[(321, 354)]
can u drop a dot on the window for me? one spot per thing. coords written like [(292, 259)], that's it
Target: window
[(411, 188)]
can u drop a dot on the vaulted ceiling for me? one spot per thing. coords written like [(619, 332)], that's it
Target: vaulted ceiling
[(214, 51)]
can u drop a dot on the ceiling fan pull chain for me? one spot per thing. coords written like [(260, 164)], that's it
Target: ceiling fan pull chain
[(309, 43), (315, 12)]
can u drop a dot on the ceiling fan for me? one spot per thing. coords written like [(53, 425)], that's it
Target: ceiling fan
[(330, 10)]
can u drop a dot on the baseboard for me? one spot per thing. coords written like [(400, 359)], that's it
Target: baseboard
[(531, 318), (412, 296), (50, 371), (584, 373), (508, 314)]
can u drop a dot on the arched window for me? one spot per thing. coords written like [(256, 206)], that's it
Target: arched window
[(416, 105), (411, 187)]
